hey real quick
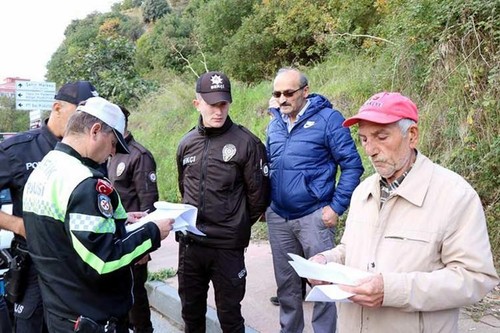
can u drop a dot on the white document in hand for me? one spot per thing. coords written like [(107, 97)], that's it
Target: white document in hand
[(183, 214), (328, 293), (331, 272)]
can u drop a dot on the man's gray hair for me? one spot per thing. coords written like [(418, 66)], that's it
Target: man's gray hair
[(81, 122), (303, 81), (404, 124)]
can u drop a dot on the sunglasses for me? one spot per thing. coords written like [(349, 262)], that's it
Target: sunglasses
[(287, 93)]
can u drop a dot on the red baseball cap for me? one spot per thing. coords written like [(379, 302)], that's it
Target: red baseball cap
[(385, 108)]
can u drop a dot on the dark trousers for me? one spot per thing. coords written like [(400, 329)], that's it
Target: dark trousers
[(56, 324), (28, 312), (198, 265), (5, 326), (140, 314)]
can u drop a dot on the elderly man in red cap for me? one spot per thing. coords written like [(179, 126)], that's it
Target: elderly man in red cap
[(418, 228)]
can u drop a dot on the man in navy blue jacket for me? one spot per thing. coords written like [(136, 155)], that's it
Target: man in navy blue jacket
[(306, 146), (19, 156)]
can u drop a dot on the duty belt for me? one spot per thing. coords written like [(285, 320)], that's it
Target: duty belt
[(185, 239)]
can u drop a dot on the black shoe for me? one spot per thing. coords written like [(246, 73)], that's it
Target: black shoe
[(275, 300)]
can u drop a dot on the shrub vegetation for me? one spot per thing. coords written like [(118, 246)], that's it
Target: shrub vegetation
[(444, 54)]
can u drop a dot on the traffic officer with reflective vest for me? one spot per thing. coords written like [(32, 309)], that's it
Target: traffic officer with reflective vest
[(76, 226), (19, 156)]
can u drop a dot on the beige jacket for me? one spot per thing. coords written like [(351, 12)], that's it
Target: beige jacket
[(431, 245)]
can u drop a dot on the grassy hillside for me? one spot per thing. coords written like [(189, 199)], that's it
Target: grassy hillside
[(161, 120)]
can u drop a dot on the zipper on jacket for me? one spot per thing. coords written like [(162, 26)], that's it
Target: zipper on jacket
[(285, 147), (204, 164)]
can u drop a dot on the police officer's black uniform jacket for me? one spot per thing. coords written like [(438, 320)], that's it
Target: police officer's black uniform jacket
[(223, 172), (75, 227), (134, 177), (19, 156)]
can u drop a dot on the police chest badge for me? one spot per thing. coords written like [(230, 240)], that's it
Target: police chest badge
[(228, 152), (104, 204), (119, 169)]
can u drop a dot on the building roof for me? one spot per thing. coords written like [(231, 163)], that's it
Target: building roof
[(9, 85)]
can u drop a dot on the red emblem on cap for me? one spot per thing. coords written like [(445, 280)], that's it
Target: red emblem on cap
[(104, 187)]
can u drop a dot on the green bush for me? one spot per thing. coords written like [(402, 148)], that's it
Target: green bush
[(444, 54), (153, 10), (12, 120), (279, 33), (162, 47), (162, 275), (216, 22)]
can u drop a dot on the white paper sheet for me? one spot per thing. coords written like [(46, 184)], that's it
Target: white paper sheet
[(331, 272), (328, 293), (183, 214)]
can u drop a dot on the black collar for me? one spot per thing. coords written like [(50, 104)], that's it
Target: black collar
[(214, 131), (72, 152)]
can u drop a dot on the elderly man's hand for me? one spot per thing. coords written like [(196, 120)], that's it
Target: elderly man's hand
[(369, 292), (329, 217)]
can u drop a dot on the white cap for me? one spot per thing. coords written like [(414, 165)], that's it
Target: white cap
[(109, 113)]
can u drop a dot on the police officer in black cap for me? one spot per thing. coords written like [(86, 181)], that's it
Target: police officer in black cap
[(222, 171), (19, 156)]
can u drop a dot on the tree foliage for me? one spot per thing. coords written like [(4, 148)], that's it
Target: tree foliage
[(278, 33), (153, 10), (162, 46), (101, 49), (445, 54), (129, 4), (12, 120), (216, 23)]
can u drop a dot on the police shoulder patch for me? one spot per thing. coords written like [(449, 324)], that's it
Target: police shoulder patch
[(104, 205), (265, 169), (152, 177)]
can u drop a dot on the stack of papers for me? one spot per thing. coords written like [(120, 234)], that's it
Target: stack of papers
[(331, 272), (183, 214)]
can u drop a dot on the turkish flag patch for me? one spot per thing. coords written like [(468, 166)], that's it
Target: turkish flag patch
[(104, 187)]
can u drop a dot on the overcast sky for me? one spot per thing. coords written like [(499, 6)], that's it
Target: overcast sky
[(32, 30)]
